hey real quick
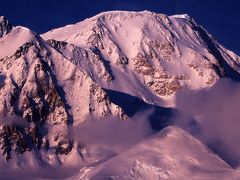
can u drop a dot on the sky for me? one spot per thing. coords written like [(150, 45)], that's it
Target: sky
[(219, 17)]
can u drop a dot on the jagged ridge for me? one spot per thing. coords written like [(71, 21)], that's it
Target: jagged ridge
[(50, 94), (59, 81)]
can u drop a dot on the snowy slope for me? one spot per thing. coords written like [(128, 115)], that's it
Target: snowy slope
[(98, 68), (161, 53), (13, 40), (170, 154), (46, 94)]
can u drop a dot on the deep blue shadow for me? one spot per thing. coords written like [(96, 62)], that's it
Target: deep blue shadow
[(159, 118), (2, 79)]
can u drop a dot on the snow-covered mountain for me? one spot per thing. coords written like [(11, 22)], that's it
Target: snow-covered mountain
[(148, 54), (158, 157), (47, 90), (112, 65)]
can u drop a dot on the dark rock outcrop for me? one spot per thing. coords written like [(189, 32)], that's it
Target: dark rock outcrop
[(5, 26)]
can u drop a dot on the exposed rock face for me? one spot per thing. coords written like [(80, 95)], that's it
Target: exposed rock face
[(90, 61), (5, 26), (55, 83), (31, 92), (163, 53), (17, 139), (48, 93)]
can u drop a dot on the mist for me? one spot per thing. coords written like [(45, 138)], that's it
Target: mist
[(113, 133), (103, 138), (13, 120), (213, 115), (210, 114)]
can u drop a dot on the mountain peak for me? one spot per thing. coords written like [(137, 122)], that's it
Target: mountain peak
[(183, 16), (5, 26), (111, 15), (141, 41), (2, 17), (124, 12), (19, 35), (58, 91)]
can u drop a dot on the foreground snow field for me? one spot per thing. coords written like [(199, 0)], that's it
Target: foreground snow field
[(170, 154)]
